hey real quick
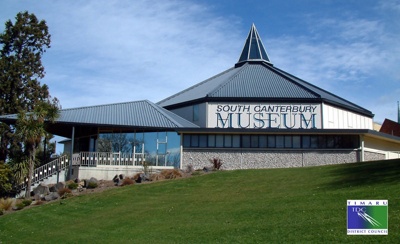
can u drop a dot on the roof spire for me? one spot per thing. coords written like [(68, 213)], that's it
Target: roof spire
[(253, 49)]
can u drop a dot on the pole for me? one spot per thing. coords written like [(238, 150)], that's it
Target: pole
[(398, 112), (71, 153)]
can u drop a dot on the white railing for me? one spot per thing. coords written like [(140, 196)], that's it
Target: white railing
[(47, 170), (94, 159)]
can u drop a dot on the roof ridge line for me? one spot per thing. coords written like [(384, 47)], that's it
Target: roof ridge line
[(336, 96), (277, 71), (167, 116), (103, 105), (228, 80)]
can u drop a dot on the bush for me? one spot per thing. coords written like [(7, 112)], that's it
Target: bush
[(72, 185), (19, 206), (64, 192), (26, 202), (1, 211), (92, 185), (171, 174), (127, 181), (156, 177), (216, 162), (6, 204)]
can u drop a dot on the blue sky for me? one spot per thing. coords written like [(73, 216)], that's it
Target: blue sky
[(109, 51)]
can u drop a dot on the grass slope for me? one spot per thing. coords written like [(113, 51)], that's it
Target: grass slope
[(245, 206)]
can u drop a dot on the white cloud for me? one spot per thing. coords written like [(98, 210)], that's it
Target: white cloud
[(115, 51)]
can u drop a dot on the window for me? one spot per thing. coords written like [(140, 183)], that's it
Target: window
[(246, 141), (280, 143), (228, 141), (288, 141), (269, 141), (306, 141), (211, 140), (296, 141), (236, 141), (254, 141), (263, 143), (219, 141), (203, 141), (196, 112)]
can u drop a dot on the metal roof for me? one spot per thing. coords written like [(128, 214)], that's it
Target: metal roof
[(144, 114), (254, 78)]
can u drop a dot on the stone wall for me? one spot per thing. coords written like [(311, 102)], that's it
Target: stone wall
[(254, 159), (372, 156)]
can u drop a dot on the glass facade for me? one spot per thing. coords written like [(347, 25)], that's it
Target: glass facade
[(159, 148), (271, 141)]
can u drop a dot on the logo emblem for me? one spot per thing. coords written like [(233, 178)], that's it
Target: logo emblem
[(367, 217)]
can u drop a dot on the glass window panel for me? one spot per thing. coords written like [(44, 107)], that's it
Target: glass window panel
[(186, 140), (228, 141), (173, 149), (246, 141), (296, 141), (195, 112), (271, 141), (236, 141), (321, 141), (330, 142), (306, 141), (263, 141), (203, 141), (211, 140), (288, 141), (254, 141), (280, 143), (219, 141), (314, 142), (195, 141)]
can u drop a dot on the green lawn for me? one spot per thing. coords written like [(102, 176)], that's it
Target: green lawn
[(242, 206)]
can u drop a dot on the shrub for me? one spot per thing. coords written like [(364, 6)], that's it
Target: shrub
[(64, 192), (171, 174), (72, 185), (216, 162), (127, 181), (156, 177), (19, 206), (92, 185), (6, 204), (1, 211), (27, 202)]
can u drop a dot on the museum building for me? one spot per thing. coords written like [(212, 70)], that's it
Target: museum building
[(253, 115)]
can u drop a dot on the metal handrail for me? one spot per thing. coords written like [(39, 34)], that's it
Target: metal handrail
[(47, 170)]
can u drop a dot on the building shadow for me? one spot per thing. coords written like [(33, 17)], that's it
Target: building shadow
[(366, 173)]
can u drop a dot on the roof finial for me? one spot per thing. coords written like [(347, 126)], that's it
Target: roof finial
[(253, 49)]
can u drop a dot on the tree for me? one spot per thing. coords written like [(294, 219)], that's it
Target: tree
[(5, 176), (30, 128), (22, 46)]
